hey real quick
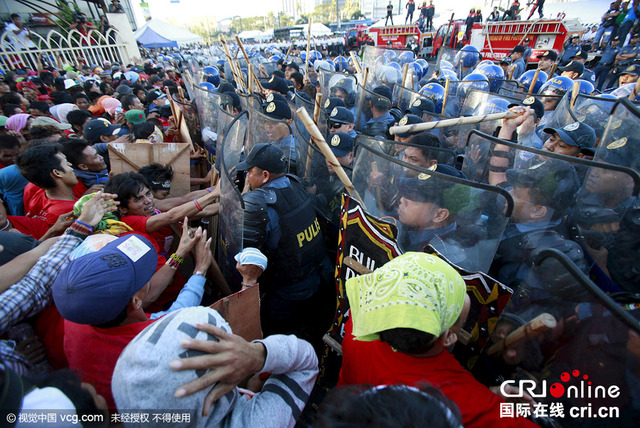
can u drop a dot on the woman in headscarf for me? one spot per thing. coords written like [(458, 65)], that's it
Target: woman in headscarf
[(19, 124)]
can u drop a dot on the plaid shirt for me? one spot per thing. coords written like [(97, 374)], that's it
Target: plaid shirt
[(32, 293)]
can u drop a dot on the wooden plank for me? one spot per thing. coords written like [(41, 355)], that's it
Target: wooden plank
[(126, 157)]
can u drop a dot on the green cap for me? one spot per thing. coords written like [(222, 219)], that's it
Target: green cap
[(135, 116), (3, 120)]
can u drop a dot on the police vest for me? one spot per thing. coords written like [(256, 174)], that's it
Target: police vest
[(301, 246)]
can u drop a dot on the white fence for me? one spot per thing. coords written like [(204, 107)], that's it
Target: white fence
[(75, 49)]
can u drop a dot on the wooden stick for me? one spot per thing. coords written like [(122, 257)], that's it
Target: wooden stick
[(417, 127), (317, 137), (244, 52), (232, 65), (446, 96), (356, 62), (316, 108), (365, 77), (633, 93), (250, 77), (533, 82), (553, 70), (288, 52), (574, 93), (405, 71), (537, 326), (353, 264), (306, 63)]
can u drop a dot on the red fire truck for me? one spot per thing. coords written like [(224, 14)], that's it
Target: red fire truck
[(495, 40), (401, 35)]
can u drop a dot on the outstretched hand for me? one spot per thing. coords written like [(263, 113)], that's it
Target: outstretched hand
[(229, 361)]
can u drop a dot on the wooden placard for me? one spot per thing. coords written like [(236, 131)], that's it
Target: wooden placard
[(126, 157), (242, 311)]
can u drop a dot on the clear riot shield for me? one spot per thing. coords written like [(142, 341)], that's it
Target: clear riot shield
[(380, 72), (364, 113), (575, 349), (231, 216), (264, 129), (594, 111), (309, 106), (224, 120), (479, 103), (208, 109), (415, 154), (462, 220), (592, 203), (343, 86), (620, 144), (251, 100)]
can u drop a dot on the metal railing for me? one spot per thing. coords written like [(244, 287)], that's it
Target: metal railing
[(75, 49)]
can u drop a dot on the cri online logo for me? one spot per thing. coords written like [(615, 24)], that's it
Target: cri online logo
[(580, 387)]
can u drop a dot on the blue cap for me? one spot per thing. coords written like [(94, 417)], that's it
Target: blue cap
[(575, 134), (341, 144), (341, 115), (96, 287)]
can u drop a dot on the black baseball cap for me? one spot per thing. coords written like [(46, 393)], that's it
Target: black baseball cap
[(552, 55), (533, 103), (578, 67), (341, 115), (580, 54), (421, 105), (274, 96), (634, 70), (341, 144), (333, 102), (154, 95), (383, 90), (293, 65), (432, 188), (278, 110), (575, 134), (409, 119), (277, 84), (235, 100), (265, 156), (96, 128), (518, 48)]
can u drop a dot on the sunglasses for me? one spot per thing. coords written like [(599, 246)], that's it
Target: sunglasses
[(335, 125)]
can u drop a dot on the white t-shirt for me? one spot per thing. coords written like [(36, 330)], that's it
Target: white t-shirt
[(22, 36)]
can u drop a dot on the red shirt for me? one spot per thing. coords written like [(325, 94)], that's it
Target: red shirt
[(93, 352), (29, 225), (377, 363), (36, 203), (163, 237)]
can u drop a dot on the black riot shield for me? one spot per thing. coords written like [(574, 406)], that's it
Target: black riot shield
[(231, 216), (561, 201), (265, 129), (462, 220), (572, 347), (620, 145)]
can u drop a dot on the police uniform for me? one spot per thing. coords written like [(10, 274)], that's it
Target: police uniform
[(280, 219), (603, 68)]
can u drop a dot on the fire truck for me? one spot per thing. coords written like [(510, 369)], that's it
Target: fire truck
[(496, 39), (401, 35)]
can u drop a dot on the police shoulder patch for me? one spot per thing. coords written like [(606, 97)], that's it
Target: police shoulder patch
[(403, 121), (617, 144), (335, 141), (271, 107)]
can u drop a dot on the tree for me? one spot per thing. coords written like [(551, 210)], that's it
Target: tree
[(304, 19), (357, 15), (349, 9)]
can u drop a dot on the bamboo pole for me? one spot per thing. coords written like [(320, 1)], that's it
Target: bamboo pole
[(356, 62), (446, 96), (574, 94), (418, 127), (533, 82), (316, 108), (537, 326)]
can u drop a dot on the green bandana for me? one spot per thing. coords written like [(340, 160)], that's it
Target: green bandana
[(416, 290)]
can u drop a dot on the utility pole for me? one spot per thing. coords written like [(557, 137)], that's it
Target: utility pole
[(338, 15)]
